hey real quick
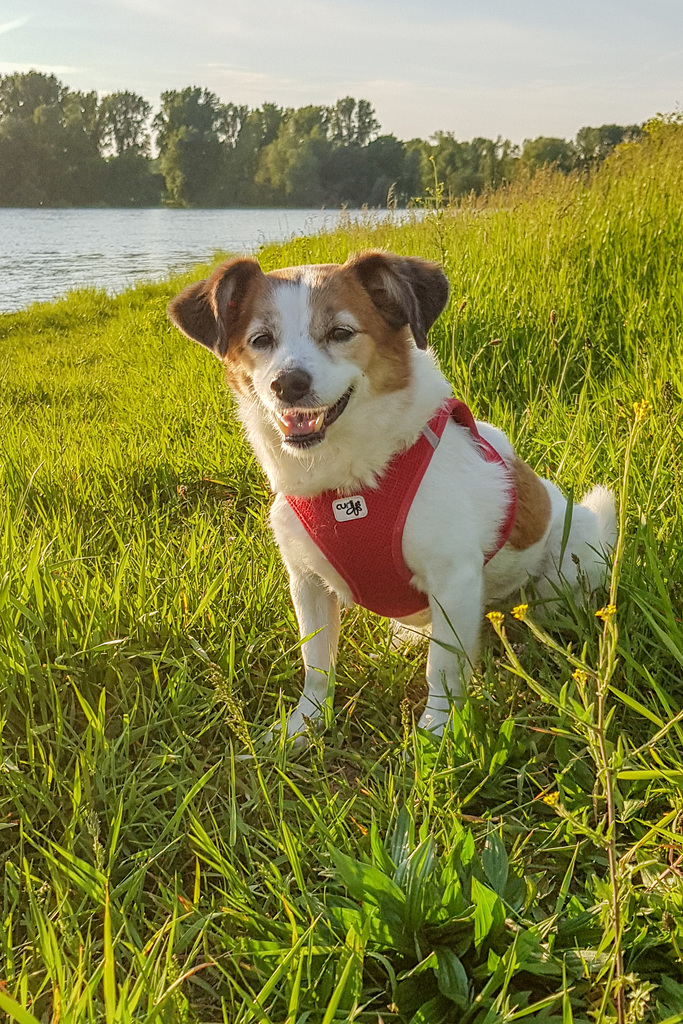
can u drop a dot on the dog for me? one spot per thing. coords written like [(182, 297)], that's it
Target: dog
[(342, 400)]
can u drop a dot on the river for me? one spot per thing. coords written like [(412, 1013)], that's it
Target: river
[(45, 253)]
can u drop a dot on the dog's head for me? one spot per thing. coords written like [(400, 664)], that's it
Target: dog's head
[(308, 342)]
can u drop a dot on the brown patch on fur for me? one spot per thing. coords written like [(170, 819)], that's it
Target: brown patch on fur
[(217, 310), (533, 507), (390, 296), (382, 351), (405, 289), (238, 366)]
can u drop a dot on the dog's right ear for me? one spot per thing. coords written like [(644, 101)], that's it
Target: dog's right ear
[(212, 311)]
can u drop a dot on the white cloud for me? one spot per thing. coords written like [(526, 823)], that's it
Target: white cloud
[(475, 67), (9, 26), (10, 67)]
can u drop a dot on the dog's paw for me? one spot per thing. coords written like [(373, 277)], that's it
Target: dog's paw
[(300, 724), (433, 720), (298, 741)]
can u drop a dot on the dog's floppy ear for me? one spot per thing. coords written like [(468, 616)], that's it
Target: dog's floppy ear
[(211, 311), (405, 289)]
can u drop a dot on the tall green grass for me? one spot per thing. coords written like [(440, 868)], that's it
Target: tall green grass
[(159, 863)]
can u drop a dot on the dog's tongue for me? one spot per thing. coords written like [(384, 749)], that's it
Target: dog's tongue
[(298, 424)]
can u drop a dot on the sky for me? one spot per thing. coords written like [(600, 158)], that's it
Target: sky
[(510, 68)]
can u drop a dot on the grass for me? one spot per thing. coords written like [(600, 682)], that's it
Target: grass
[(158, 864)]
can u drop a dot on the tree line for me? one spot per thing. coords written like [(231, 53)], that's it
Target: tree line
[(62, 147)]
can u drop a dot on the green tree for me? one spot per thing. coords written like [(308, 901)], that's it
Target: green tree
[(49, 143), (456, 164), (466, 167), (125, 132), (232, 119), (79, 140), (124, 122), (548, 152), (351, 121), (594, 144), (387, 172), (28, 164), (130, 180), (252, 131), (413, 184), (29, 159), (22, 94), (188, 128), (291, 164), (343, 175)]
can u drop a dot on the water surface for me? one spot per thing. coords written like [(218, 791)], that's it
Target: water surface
[(44, 253)]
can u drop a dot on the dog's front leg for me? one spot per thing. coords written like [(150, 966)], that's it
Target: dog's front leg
[(317, 612), (456, 608)]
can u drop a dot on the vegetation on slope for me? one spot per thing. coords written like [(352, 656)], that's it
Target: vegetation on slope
[(158, 862)]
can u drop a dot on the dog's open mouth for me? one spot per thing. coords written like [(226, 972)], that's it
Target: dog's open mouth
[(302, 428)]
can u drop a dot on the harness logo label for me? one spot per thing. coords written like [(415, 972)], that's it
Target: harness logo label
[(347, 509)]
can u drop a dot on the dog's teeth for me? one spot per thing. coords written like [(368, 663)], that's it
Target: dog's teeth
[(298, 424)]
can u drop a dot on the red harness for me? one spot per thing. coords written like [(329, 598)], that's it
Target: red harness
[(354, 531)]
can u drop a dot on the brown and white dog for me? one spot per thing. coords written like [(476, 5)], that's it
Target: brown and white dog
[(333, 378)]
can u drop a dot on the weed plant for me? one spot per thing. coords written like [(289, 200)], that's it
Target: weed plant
[(158, 862)]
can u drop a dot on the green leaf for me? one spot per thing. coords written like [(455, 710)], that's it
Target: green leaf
[(567, 524), (283, 968), (669, 775), (109, 976), (488, 911), (15, 1011), (451, 976), (398, 847), (349, 987), (468, 850), (380, 857), (428, 964), (567, 1015), (670, 998), (532, 956), (419, 894), (366, 883), (501, 750), (636, 706), (495, 862), (436, 1011)]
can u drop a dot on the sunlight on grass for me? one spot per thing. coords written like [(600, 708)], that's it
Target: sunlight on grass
[(158, 863)]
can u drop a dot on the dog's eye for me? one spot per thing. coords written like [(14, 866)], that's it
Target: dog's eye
[(341, 334), (262, 341)]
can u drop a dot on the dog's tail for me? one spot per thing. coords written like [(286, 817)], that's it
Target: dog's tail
[(600, 501)]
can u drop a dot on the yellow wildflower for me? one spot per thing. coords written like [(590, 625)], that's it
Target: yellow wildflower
[(640, 410), (519, 611), (606, 613), (551, 799), (580, 675), (495, 618)]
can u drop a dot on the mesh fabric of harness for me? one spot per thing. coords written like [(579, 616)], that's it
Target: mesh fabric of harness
[(354, 531)]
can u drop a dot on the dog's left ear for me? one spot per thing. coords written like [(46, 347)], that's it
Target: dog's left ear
[(405, 289)]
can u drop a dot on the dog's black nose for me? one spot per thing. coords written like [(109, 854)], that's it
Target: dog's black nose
[(291, 385)]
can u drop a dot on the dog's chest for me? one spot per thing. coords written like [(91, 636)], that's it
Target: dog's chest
[(452, 520)]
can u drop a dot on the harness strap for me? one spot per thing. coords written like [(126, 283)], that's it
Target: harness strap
[(461, 414), (357, 532)]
